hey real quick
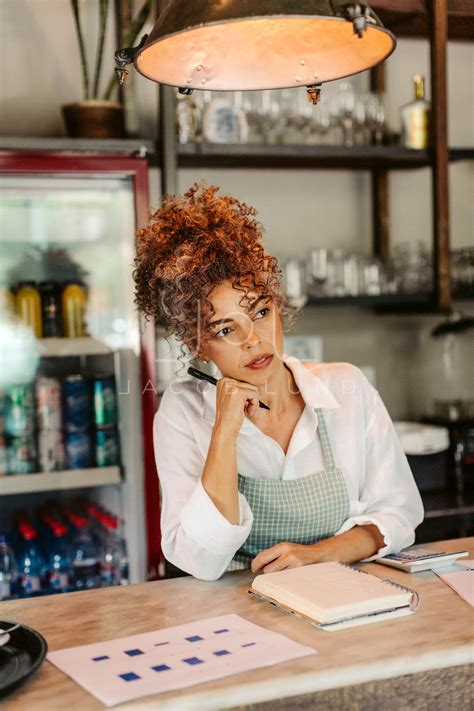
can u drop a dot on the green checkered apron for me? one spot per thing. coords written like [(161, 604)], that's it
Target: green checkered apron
[(302, 510)]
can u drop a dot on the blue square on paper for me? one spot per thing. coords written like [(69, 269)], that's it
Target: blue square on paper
[(100, 659), (194, 638), (161, 667), (133, 652), (193, 660), (221, 652), (129, 676)]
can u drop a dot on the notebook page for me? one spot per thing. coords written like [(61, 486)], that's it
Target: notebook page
[(329, 591)]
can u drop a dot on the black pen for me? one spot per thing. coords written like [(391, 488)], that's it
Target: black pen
[(204, 376)]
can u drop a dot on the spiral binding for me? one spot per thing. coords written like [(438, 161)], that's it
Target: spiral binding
[(415, 601)]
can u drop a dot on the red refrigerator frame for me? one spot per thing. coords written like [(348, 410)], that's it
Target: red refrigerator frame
[(49, 162)]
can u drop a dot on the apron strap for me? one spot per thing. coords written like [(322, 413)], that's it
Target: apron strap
[(325, 441)]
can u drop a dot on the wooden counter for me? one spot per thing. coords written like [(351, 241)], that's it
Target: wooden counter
[(433, 646)]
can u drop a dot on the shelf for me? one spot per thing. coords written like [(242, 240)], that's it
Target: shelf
[(410, 18), (57, 481), (243, 155), (71, 347), (299, 156), (405, 301), (443, 504), (228, 155), (129, 146)]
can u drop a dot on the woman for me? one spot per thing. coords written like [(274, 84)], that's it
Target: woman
[(320, 475)]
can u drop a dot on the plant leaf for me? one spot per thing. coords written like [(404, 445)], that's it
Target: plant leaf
[(129, 40), (82, 51), (103, 10)]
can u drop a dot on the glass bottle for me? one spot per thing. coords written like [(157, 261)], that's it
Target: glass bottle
[(415, 117), (28, 306)]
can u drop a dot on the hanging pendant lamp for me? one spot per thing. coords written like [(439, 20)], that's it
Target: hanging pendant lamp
[(228, 45)]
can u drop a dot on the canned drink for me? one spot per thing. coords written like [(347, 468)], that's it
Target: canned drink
[(78, 450), (20, 411), (51, 451), (3, 406), (106, 447), (76, 399), (105, 407), (22, 455), (3, 457), (48, 400)]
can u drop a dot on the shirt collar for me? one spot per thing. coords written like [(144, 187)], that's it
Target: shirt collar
[(314, 391)]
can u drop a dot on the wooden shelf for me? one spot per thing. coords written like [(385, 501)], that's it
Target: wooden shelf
[(411, 18), (71, 347), (299, 156), (58, 481), (244, 155), (247, 155)]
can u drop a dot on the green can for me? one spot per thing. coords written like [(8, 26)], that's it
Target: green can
[(21, 454), (107, 447), (105, 403), (20, 411)]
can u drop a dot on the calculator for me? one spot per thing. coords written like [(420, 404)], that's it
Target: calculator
[(414, 560)]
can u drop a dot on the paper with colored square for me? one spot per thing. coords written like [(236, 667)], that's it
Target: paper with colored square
[(123, 669)]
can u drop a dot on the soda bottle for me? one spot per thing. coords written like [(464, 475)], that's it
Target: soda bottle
[(31, 565), (59, 566), (8, 574), (85, 557)]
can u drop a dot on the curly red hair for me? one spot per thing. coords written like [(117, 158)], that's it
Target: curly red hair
[(193, 243)]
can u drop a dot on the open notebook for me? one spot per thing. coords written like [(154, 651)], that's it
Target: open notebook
[(334, 596)]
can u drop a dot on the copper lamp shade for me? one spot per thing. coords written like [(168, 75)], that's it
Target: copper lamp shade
[(259, 44)]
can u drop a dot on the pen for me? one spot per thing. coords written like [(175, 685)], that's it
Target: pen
[(204, 376)]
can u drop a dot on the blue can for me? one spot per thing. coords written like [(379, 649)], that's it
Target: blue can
[(78, 450), (77, 403)]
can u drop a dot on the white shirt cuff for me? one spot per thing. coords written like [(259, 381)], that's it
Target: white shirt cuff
[(202, 521), (396, 535)]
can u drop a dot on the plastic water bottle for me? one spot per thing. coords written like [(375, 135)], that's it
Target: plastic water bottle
[(31, 565), (85, 557), (111, 555), (59, 564), (118, 528), (8, 574)]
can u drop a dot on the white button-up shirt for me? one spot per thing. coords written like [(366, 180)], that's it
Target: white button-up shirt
[(197, 538)]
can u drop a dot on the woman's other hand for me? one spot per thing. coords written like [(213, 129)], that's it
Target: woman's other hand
[(234, 399), (286, 555), (359, 542)]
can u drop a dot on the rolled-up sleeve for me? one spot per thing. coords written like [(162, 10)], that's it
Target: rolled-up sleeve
[(389, 496), (195, 536)]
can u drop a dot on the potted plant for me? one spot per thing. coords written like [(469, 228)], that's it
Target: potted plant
[(97, 116)]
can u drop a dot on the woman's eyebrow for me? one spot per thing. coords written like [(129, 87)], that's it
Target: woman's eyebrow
[(230, 320)]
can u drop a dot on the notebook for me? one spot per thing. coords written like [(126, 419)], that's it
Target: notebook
[(334, 596)]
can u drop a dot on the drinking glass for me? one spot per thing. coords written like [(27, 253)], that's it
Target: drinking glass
[(317, 271), (294, 280)]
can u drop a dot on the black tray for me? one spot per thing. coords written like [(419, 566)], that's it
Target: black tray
[(20, 657)]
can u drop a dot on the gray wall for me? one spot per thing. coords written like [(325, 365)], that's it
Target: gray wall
[(300, 209)]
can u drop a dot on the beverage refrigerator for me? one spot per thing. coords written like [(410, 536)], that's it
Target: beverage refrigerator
[(71, 218)]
